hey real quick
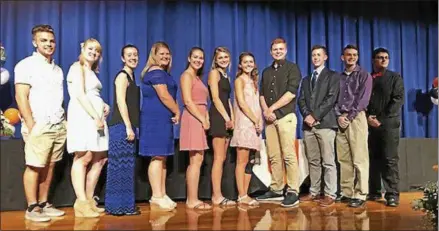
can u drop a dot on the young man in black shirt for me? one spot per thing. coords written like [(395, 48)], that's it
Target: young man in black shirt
[(384, 119), (279, 85)]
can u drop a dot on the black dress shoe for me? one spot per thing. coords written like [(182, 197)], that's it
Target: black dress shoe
[(392, 202), (357, 203), (374, 197), (343, 199)]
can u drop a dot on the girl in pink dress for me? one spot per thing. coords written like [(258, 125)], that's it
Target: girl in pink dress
[(194, 123), (248, 122)]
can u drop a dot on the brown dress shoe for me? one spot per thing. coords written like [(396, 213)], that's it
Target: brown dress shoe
[(309, 198), (327, 201)]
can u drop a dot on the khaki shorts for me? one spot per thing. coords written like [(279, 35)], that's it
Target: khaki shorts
[(45, 142)]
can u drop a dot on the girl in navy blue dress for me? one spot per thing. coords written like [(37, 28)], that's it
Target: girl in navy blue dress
[(120, 191), (158, 115)]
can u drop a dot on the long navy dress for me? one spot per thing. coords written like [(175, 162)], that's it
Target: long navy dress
[(120, 186), (156, 127)]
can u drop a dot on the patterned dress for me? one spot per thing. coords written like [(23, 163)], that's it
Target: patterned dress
[(244, 134), (120, 185)]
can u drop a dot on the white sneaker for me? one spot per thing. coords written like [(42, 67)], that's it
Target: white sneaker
[(50, 211), (36, 216)]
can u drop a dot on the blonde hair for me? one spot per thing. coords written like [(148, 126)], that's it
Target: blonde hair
[(215, 55), (254, 74), (97, 45), (153, 60), (95, 66)]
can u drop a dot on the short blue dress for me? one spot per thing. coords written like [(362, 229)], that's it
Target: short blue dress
[(156, 127)]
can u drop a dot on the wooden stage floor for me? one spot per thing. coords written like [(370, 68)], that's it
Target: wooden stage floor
[(376, 216)]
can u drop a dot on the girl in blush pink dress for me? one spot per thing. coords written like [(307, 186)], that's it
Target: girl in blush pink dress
[(194, 124), (248, 122)]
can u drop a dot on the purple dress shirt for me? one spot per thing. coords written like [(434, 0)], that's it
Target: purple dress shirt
[(355, 91)]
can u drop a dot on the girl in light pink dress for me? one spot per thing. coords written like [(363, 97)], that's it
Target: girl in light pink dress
[(248, 122)]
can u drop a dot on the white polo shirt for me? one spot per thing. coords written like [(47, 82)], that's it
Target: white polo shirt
[(46, 87)]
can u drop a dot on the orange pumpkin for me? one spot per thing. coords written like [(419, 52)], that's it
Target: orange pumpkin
[(13, 115)]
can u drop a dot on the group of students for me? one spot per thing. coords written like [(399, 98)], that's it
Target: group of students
[(361, 111), (331, 105)]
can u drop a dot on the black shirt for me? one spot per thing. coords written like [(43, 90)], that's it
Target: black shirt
[(277, 79), (133, 103), (387, 95)]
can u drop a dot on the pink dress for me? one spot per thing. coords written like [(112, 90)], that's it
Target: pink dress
[(244, 134), (192, 133)]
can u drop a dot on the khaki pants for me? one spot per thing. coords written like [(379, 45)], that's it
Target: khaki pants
[(353, 156), (319, 146), (280, 148)]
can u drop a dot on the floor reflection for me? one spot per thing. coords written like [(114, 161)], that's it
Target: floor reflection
[(158, 218), (274, 217), (85, 223), (266, 216), (31, 225)]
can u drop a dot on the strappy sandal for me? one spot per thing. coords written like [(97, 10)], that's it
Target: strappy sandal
[(253, 202), (200, 206), (225, 202)]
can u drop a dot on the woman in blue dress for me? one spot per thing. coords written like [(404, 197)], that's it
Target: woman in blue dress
[(158, 115), (120, 191)]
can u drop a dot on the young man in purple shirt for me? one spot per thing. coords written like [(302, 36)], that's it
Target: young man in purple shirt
[(351, 139)]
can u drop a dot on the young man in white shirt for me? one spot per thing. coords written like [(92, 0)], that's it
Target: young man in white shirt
[(39, 95)]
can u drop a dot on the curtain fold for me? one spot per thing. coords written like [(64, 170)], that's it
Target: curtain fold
[(407, 29)]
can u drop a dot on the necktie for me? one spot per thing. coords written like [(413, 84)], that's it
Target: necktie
[(313, 79)]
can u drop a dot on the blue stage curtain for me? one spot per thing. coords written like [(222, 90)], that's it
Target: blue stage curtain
[(408, 29)]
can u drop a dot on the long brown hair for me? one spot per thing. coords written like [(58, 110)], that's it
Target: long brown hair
[(152, 58), (254, 74), (199, 71)]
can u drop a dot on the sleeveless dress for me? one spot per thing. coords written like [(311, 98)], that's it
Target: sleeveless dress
[(192, 133), (120, 191), (82, 133), (217, 122), (245, 135), (156, 127)]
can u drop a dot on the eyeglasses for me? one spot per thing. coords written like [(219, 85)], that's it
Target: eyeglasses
[(382, 57)]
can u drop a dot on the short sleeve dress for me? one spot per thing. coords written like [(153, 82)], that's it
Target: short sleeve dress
[(156, 136)]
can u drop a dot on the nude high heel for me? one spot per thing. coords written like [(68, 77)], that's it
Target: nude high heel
[(94, 206)]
